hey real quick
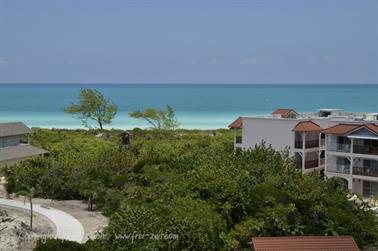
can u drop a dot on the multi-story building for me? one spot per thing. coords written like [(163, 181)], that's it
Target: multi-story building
[(308, 138), (15, 144), (352, 154)]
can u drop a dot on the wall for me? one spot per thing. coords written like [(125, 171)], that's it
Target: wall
[(10, 141)]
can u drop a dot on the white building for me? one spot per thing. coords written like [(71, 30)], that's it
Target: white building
[(302, 134)]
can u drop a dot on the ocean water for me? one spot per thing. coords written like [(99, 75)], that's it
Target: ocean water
[(197, 106)]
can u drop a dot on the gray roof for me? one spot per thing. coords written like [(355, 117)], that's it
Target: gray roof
[(20, 151), (14, 128)]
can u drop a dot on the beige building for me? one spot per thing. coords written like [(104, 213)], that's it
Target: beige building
[(15, 144)]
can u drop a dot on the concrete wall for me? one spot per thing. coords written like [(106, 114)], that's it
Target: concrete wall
[(275, 131)]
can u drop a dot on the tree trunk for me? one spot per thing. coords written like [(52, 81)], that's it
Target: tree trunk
[(100, 123), (31, 214)]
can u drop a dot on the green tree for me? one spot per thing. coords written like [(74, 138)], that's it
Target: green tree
[(92, 105), (158, 119), (28, 195)]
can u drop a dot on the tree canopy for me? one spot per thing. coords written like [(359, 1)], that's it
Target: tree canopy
[(158, 119), (188, 190), (93, 106)]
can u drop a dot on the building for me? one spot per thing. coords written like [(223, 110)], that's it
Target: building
[(305, 243), (15, 144), (352, 154), (309, 139)]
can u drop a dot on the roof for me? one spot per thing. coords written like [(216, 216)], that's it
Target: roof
[(238, 123), (305, 243), (307, 126), (284, 112), (14, 128), (342, 129), (20, 151), (372, 127)]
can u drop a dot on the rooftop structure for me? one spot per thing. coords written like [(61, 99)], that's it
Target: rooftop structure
[(15, 144), (315, 139), (305, 243)]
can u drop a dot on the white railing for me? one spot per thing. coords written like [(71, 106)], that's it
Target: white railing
[(337, 168), (339, 148)]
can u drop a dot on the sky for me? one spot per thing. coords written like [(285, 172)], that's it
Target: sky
[(189, 41)]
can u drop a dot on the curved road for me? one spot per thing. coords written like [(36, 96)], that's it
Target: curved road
[(67, 227)]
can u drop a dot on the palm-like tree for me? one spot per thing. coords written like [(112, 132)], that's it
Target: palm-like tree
[(28, 195)]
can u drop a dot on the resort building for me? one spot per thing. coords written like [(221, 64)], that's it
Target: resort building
[(15, 144), (337, 143)]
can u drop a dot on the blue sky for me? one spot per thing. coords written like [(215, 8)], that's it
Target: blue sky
[(189, 41)]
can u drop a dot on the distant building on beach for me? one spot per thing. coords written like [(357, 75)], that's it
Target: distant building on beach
[(15, 144), (340, 144)]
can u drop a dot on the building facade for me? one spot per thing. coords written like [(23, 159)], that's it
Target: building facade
[(15, 144), (308, 138)]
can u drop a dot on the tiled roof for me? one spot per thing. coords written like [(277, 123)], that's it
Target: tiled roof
[(372, 127), (305, 243), (307, 126), (238, 123), (342, 129), (284, 112), (20, 151), (14, 128)]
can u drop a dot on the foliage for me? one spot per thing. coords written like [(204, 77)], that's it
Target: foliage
[(158, 119), (92, 105), (58, 245), (192, 185)]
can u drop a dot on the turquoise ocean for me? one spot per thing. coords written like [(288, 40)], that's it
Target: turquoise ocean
[(206, 106)]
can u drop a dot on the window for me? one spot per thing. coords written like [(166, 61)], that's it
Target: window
[(370, 188)]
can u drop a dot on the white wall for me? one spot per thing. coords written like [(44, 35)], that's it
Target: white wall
[(275, 131)]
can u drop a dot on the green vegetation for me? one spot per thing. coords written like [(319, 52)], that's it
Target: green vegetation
[(28, 195), (92, 105), (158, 119), (188, 190)]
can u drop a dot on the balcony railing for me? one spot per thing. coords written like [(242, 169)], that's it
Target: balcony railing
[(309, 144), (339, 148), (308, 164), (365, 171), (238, 139), (337, 168), (365, 149)]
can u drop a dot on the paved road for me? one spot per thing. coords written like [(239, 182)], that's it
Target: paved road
[(67, 227)]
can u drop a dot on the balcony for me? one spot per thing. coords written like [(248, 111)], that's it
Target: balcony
[(321, 162), (309, 144), (308, 164), (339, 148), (365, 171), (337, 168), (238, 140), (361, 149)]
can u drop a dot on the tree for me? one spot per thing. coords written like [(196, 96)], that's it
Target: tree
[(92, 105), (28, 195), (159, 119)]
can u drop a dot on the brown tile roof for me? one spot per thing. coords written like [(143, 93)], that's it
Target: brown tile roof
[(307, 126), (305, 243), (340, 129), (372, 127), (238, 123), (20, 151), (14, 128), (284, 112)]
